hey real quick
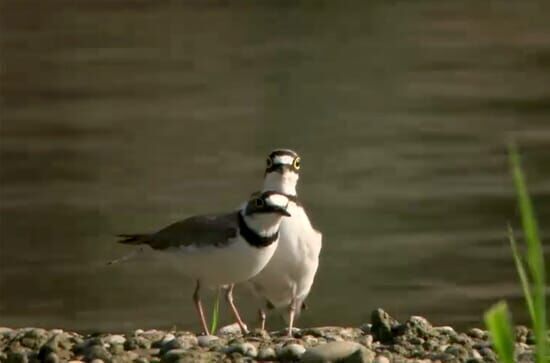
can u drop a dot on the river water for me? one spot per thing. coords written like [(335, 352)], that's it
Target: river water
[(125, 116)]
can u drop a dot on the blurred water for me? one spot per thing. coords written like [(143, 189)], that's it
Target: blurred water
[(125, 116)]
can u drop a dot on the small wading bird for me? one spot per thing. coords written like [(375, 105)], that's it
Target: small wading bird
[(286, 280), (222, 249)]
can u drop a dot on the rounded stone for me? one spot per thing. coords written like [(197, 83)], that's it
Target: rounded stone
[(97, 352), (267, 354), (232, 329), (248, 349), (115, 339), (17, 357), (206, 341), (381, 326), (170, 345), (116, 349), (173, 355), (167, 338), (97, 360), (381, 359), (338, 352), (291, 352)]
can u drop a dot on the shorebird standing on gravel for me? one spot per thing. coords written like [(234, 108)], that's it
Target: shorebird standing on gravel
[(222, 249), (286, 280)]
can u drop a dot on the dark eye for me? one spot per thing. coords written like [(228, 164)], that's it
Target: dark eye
[(296, 163), (259, 202), (269, 163)]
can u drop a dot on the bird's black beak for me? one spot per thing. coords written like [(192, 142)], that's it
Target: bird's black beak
[(280, 210)]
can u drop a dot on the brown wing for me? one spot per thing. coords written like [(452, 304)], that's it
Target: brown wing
[(213, 230)]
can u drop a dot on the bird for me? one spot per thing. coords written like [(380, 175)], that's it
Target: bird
[(222, 249), (286, 280)]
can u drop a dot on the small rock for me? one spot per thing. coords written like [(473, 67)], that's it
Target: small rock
[(170, 345), (366, 328), (116, 349), (244, 348), (167, 338), (365, 340), (291, 352), (136, 342), (97, 352), (231, 329), (173, 355), (115, 339), (266, 354), (206, 341), (51, 358), (17, 357), (338, 352), (448, 330), (477, 333), (382, 324), (381, 359), (141, 360), (248, 349), (97, 360)]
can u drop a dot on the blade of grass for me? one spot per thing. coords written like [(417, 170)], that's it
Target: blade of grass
[(215, 313), (535, 258), (525, 284), (497, 319)]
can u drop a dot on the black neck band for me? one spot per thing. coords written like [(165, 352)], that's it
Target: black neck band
[(253, 238), (292, 198)]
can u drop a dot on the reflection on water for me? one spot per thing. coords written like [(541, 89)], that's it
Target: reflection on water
[(123, 117)]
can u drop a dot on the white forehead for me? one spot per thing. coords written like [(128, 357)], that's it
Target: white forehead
[(283, 159), (277, 200)]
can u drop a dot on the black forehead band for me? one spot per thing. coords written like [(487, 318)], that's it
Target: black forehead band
[(275, 167)]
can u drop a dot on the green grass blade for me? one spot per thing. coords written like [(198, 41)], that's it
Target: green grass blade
[(215, 314), (525, 284), (535, 257), (497, 319)]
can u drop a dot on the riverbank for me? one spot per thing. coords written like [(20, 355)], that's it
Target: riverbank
[(383, 340)]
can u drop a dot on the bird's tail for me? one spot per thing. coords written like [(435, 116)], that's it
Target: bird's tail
[(133, 239)]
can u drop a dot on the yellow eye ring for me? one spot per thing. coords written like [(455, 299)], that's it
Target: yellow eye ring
[(269, 163), (296, 163), (259, 202)]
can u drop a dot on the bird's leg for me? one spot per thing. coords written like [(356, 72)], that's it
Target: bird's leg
[(262, 315), (198, 306), (229, 298), (291, 312)]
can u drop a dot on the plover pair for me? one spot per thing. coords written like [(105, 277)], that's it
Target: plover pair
[(269, 243)]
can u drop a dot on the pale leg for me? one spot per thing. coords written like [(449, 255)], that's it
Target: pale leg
[(291, 312), (229, 298), (198, 306), (262, 315)]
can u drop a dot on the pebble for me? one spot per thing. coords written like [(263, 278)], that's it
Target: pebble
[(97, 352), (338, 352), (290, 352), (173, 355), (115, 339), (267, 354), (381, 359), (206, 341), (414, 341), (231, 329)]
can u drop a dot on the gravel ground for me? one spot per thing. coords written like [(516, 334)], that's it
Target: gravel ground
[(384, 340)]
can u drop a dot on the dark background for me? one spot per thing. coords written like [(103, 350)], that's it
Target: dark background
[(123, 116)]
